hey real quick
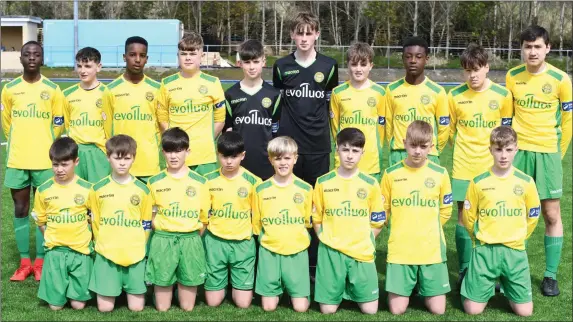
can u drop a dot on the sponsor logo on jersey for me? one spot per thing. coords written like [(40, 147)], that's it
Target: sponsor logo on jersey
[(464, 102), (346, 99), (266, 102), (534, 212), (254, 117), (149, 96), (414, 200), (500, 210), (64, 217), (220, 104), (79, 199), (448, 199), (518, 190), (332, 190), (203, 89), (318, 77), (270, 198), (99, 103), (109, 195), (120, 220), (45, 95), (546, 88), (174, 211), (378, 217), (32, 112), (381, 120), (478, 121), (75, 100), (506, 121), (357, 119), (135, 200), (190, 191), (412, 116), (567, 106), (163, 190), (361, 194), (291, 72), (444, 120), (298, 198), (51, 198), (304, 92), (122, 94), (346, 210), (284, 218), (371, 102), (59, 120), (238, 100), (175, 89), (425, 99), (83, 120), (401, 96), (228, 212), (242, 192), (188, 107), (215, 189), (520, 83), (134, 114), (430, 183), (493, 105), (529, 102)]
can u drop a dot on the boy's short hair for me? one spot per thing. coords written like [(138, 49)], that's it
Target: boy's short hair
[(351, 136), (360, 52), (503, 136), (174, 140), (419, 132), (192, 41), (475, 56), (251, 49), (121, 145), (415, 41), (282, 145), (230, 144), (304, 19), (135, 40), (64, 149), (31, 42), (533, 32)]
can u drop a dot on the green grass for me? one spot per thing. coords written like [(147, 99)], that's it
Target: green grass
[(19, 300)]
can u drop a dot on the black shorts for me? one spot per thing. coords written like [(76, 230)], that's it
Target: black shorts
[(309, 167)]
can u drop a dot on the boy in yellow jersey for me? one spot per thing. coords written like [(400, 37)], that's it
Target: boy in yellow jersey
[(281, 215), (347, 197), (61, 212), (121, 222), (416, 97), (501, 211), (195, 102), (83, 116), (181, 211), (228, 241), (476, 108), (418, 202), (32, 119), (361, 103), (130, 108), (542, 97)]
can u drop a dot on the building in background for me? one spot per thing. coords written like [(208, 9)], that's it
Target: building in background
[(16, 31)]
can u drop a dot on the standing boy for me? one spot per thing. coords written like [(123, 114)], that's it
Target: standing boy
[(130, 108), (361, 103), (228, 241), (542, 97), (501, 211), (416, 97), (32, 118), (180, 201), (418, 202), (476, 107), (121, 221), (83, 116), (347, 197), (195, 102), (281, 215), (253, 109), (61, 213)]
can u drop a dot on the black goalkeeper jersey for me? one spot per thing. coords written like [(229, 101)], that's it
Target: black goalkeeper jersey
[(305, 100), (255, 117)]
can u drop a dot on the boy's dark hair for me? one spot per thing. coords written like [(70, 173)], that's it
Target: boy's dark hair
[(415, 41), (174, 140), (351, 136), (475, 56), (533, 32), (251, 49), (64, 149), (121, 145), (31, 42), (230, 144), (360, 52), (135, 40), (87, 54)]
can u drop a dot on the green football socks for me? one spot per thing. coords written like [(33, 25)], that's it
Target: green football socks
[(22, 232), (463, 247), (553, 246)]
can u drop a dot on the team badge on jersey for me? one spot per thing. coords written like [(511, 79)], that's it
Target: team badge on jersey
[(493, 105), (1, 107), (430, 183), (266, 102), (361, 193), (425, 99), (99, 103), (518, 190), (149, 96), (135, 200), (243, 192), (103, 116), (79, 199), (203, 89), (467, 205), (190, 191), (298, 198), (546, 88), (319, 77), (371, 101), (45, 95)]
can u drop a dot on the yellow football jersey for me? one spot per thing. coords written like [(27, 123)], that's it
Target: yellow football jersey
[(365, 110), (131, 109), (501, 210), (32, 118), (418, 202), (473, 115), (83, 115), (63, 209), (281, 216), (407, 103), (231, 204), (180, 204), (194, 104), (341, 203), (543, 104), (121, 220)]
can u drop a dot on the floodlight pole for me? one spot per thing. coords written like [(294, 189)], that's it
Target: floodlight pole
[(76, 9)]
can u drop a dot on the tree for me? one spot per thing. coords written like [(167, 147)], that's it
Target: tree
[(561, 24), (263, 22), (358, 14)]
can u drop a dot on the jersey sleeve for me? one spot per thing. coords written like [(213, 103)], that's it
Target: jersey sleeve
[(377, 211), (277, 78), (163, 105), (67, 112), (6, 112), (509, 82), (228, 111), (39, 212), (533, 206), (446, 200), (308, 209), (94, 209), (470, 211), (256, 217), (108, 102), (334, 115), (443, 118), (318, 204), (566, 100), (453, 117), (219, 102), (58, 111), (332, 81), (386, 192), (146, 213), (389, 115), (205, 204), (381, 109), (275, 119), (507, 109)]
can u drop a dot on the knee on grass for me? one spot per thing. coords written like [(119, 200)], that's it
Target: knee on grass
[(77, 305)]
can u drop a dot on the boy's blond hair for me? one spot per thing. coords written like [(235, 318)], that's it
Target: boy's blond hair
[(282, 145), (192, 41), (419, 132), (360, 52), (305, 19), (503, 136), (122, 145)]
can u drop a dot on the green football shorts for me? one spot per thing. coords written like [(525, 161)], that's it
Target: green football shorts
[(20, 179), (203, 169), (399, 155), (546, 170), (109, 279), (93, 165), (65, 275), (433, 279), (223, 255), (176, 257), (490, 262), (459, 189), (340, 276), (276, 272)]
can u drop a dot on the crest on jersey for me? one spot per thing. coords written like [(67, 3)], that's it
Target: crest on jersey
[(45, 95), (149, 96), (331, 114), (266, 102), (190, 191), (203, 89), (361, 193), (99, 103), (518, 190), (103, 116), (371, 101), (493, 105), (243, 192), (425, 99), (79, 199), (319, 77), (1, 107), (430, 183), (467, 205), (546, 88), (298, 198), (135, 200)]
